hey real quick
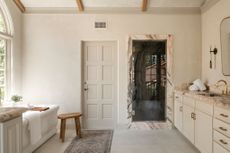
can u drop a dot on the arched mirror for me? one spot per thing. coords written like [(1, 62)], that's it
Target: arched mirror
[(225, 45)]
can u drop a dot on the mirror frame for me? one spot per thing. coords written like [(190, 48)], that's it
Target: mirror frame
[(221, 46)]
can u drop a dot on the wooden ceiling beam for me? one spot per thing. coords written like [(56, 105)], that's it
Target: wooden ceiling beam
[(80, 5), (20, 5), (144, 5)]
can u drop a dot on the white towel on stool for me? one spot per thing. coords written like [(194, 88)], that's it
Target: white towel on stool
[(34, 120)]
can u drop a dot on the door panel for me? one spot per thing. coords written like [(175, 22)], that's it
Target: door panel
[(107, 71), (99, 85), (178, 120), (11, 133), (92, 73), (188, 123), (92, 92), (92, 111), (107, 92), (203, 132), (107, 111)]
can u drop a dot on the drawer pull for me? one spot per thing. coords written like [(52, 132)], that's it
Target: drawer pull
[(223, 129), (177, 97), (192, 115), (223, 142), (224, 115)]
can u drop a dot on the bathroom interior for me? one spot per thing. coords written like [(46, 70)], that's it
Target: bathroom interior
[(115, 76)]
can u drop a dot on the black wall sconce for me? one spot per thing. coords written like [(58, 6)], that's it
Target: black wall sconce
[(213, 52)]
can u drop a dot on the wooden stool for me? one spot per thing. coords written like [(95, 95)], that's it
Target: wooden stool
[(64, 117)]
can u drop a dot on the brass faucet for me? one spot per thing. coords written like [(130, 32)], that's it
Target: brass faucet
[(225, 91)]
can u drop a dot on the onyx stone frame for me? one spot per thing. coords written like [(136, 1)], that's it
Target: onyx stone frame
[(170, 86)]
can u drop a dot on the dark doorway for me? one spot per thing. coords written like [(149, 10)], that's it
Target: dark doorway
[(150, 80)]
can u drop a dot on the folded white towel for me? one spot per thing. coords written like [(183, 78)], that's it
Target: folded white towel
[(34, 120), (199, 84), (193, 88)]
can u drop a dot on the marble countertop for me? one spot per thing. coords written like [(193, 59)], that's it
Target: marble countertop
[(9, 113), (222, 101)]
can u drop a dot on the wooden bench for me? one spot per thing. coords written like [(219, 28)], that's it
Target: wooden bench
[(64, 117)]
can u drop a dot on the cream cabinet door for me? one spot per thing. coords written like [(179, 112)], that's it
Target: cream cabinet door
[(11, 136), (203, 132), (219, 149), (188, 123), (100, 85), (178, 115)]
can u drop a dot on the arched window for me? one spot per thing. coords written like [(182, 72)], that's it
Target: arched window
[(2, 23), (5, 50)]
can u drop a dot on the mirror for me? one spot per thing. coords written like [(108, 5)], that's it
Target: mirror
[(225, 45)]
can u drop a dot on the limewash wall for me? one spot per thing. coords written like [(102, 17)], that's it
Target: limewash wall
[(211, 20), (51, 57)]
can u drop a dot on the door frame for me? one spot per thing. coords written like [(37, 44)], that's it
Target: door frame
[(82, 78), (170, 79)]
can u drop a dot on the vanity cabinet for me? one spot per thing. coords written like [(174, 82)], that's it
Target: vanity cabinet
[(188, 123), (178, 111), (197, 121), (188, 120), (218, 148), (11, 136), (221, 130), (203, 132), (204, 125)]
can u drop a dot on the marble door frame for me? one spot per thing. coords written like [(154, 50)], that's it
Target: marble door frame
[(169, 96)]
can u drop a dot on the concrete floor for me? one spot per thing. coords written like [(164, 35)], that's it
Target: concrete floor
[(54, 144), (131, 141), (151, 141)]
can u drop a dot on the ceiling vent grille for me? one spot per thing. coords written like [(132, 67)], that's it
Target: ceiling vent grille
[(100, 25)]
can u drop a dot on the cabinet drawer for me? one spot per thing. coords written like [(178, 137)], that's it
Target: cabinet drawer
[(222, 127), (189, 101), (222, 114), (222, 140), (204, 107), (219, 149)]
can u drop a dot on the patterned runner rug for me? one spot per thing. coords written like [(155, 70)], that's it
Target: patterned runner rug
[(92, 141)]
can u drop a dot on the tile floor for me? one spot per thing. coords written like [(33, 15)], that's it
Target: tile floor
[(131, 141)]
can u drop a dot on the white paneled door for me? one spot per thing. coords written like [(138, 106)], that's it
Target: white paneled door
[(100, 84)]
